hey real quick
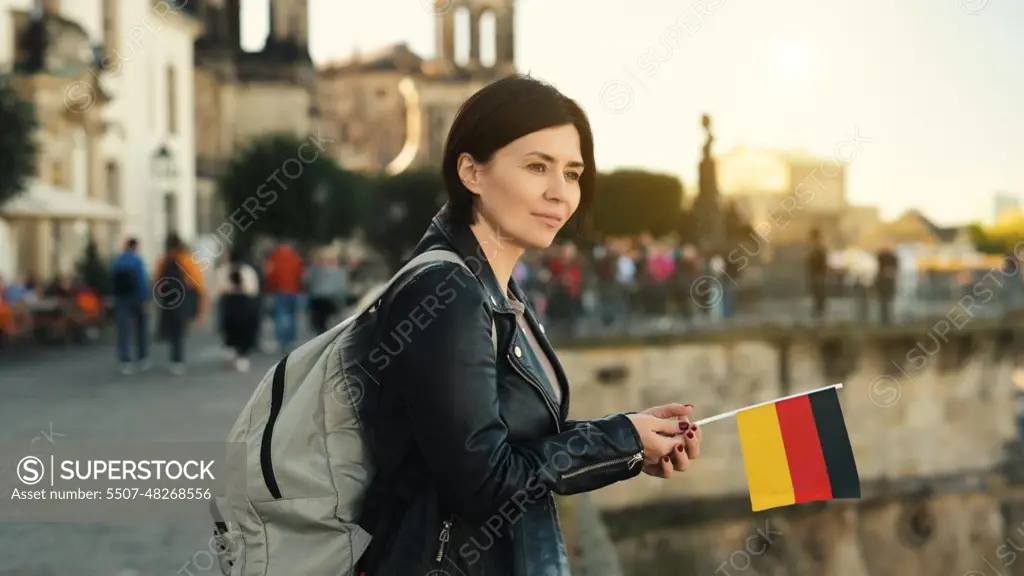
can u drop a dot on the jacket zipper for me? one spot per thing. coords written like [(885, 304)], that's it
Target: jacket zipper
[(443, 539), (540, 388), (628, 460)]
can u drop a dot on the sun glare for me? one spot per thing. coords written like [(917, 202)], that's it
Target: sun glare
[(793, 58)]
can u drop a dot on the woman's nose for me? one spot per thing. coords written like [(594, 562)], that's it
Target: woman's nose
[(557, 188)]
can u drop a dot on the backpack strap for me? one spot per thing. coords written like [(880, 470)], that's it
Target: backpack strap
[(426, 258)]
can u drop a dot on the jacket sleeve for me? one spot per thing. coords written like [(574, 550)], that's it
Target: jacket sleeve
[(445, 371)]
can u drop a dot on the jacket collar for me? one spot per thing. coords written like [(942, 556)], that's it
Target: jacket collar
[(444, 232)]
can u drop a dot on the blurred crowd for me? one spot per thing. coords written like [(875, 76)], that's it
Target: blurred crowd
[(608, 284), (615, 280)]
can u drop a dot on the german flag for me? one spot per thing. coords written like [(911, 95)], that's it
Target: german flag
[(797, 450)]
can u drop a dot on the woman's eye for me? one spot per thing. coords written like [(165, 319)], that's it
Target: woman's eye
[(536, 167), (572, 175)]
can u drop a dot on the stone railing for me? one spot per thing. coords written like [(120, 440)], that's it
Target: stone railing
[(930, 409)]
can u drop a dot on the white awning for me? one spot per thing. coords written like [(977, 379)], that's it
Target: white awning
[(43, 200)]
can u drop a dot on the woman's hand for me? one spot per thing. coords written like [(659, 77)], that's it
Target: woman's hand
[(690, 435), (659, 437)]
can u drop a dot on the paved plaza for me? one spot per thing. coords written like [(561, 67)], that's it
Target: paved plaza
[(77, 394)]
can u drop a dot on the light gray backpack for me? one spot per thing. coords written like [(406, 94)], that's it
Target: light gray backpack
[(308, 463)]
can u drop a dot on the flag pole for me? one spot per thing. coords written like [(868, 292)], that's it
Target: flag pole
[(732, 413)]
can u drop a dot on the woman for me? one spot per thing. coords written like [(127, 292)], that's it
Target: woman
[(238, 284), (470, 447)]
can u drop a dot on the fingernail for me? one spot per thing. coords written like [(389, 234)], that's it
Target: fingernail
[(665, 459), (689, 434), (684, 425), (679, 448), (688, 405)]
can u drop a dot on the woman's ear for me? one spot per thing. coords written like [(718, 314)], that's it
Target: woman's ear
[(469, 173)]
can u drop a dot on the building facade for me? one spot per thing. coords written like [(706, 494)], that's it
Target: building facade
[(150, 149), (390, 109), (1005, 207), (789, 194), (241, 96), (112, 84), (50, 57)]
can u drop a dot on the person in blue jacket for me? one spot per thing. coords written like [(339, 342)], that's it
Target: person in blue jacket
[(130, 285)]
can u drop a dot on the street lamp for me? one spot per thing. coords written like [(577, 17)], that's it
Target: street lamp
[(163, 166), (164, 170)]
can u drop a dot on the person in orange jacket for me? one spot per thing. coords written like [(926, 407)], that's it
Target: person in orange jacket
[(284, 272), (181, 295)]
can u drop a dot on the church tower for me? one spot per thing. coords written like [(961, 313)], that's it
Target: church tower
[(217, 49), (289, 23), (504, 30)]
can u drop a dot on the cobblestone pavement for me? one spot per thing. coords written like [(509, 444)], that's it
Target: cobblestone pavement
[(77, 394)]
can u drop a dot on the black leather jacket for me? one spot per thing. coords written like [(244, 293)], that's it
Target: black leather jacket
[(470, 449)]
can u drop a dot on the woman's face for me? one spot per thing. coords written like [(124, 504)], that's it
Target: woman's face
[(530, 187)]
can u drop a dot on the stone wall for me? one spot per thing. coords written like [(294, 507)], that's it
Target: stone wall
[(950, 412), (943, 535), (930, 418)]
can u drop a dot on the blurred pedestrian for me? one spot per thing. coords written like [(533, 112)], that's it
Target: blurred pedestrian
[(817, 274), (130, 286), (716, 296), (284, 272), (181, 296), (885, 283), (327, 284), (238, 284)]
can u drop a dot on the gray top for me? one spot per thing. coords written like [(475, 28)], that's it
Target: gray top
[(323, 282)]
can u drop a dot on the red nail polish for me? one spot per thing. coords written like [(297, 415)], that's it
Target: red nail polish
[(665, 459), (684, 425), (689, 434), (679, 448)]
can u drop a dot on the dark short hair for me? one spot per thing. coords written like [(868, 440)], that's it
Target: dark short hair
[(174, 242), (502, 112), (131, 244)]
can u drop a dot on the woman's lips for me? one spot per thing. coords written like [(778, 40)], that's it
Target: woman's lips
[(550, 220)]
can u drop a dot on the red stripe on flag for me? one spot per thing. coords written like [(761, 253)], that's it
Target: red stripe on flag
[(803, 450)]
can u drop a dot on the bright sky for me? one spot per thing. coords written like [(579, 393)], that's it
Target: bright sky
[(936, 85)]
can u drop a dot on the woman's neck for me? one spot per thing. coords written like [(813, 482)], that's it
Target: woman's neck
[(501, 253)]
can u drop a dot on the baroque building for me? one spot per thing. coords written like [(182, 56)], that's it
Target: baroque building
[(111, 81), (244, 95), (53, 66), (390, 109)]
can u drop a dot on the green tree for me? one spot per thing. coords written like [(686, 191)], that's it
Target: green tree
[(288, 187), (631, 202), (400, 209), (92, 269), (17, 140), (1003, 238)]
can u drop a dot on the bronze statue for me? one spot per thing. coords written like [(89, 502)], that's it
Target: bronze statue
[(706, 210), (706, 122)]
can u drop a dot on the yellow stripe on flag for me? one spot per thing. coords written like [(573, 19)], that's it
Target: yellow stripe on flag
[(764, 456)]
